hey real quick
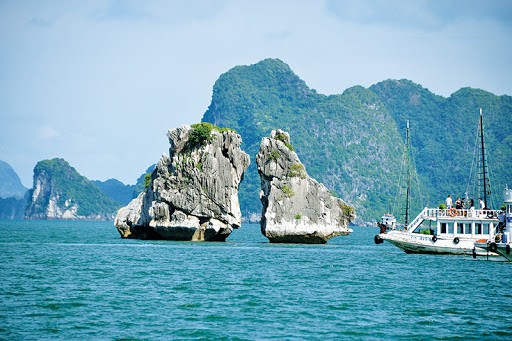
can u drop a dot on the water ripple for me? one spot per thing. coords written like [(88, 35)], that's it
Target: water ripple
[(77, 280)]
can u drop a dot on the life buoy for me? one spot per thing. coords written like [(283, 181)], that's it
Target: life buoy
[(490, 215), (378, 239), (507, 249), (493, 247), (456, 240), (452, 212), (434, 239)]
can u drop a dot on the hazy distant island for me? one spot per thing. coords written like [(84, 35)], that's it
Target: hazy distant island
[(351, 142), (12, 193)]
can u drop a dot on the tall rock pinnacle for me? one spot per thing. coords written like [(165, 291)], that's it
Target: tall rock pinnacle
[(296, 208), (193, 193)]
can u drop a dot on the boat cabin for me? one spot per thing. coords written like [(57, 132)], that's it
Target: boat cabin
[(471, 224), (387, 223)]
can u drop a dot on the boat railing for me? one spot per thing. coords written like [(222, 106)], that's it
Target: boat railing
[(434, 213), (417, 221)]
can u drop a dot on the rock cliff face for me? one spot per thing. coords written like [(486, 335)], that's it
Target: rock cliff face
[(60, 192), (193, 193), (296, 208)]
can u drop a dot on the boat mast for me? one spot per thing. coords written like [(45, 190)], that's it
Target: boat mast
[(408, 193), (484, 175)]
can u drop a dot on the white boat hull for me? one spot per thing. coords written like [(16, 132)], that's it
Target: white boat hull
[(502, 250), (422, 243)]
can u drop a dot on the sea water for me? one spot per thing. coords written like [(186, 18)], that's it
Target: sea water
[(80, 280)]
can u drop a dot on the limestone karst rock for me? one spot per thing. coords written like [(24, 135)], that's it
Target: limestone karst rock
[(60, 192), (193, 193), (296, 208)]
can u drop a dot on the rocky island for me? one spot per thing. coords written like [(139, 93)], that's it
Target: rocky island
[(60, 192), (296, 208), (192, 194)]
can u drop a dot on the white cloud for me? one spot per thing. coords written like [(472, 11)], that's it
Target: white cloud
[(47, 132)]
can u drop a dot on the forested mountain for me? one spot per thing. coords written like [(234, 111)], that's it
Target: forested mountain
[(445, 135), (116, 190), (60, 192), (354, 142)]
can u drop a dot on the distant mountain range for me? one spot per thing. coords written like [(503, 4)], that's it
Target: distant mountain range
[(352, 142)]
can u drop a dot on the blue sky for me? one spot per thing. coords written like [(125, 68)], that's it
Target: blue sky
[(100, 82)]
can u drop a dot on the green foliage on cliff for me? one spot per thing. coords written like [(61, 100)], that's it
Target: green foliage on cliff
[(64, 183), (297, 170), (282, 137), (201, 133), (147, 180), (287, 191), (140, 185), (347, 209), (354, 142)]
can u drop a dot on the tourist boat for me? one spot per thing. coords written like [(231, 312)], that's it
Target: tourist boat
[(445, 231), (442, 231), (501, 241)]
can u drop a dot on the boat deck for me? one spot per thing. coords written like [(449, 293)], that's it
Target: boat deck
[(436, 213)]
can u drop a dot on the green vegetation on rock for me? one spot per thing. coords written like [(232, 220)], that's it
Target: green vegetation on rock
[(297, 170), (140, 185), (287, 191), (201, 133)]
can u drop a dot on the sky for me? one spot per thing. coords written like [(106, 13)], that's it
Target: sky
[(100, 82)]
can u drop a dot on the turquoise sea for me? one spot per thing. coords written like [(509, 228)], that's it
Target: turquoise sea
[(80, 280)]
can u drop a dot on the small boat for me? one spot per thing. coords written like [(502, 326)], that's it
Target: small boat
[(445, 231), (501, 241), (387, 223)]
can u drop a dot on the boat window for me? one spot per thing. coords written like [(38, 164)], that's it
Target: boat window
[(443, 227), (509, 208), (450, 228), (486, 228), (478, 228), (460, 228), (467, 228)]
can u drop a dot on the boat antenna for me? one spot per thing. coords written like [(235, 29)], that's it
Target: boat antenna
[(408, 193)]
